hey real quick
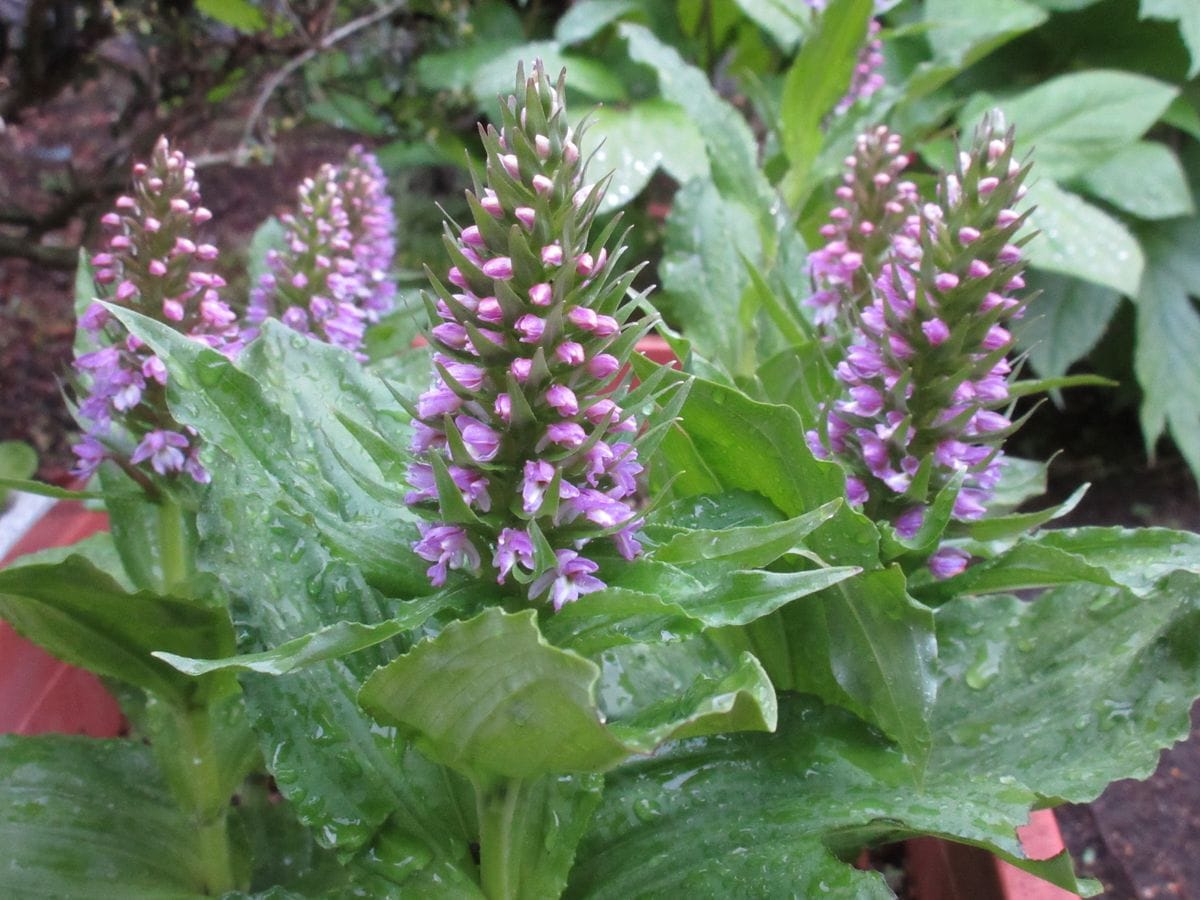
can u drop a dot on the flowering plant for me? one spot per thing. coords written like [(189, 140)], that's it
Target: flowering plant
[(528, 615)]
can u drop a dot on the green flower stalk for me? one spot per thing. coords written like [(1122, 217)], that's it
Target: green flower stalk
[(524, 455)]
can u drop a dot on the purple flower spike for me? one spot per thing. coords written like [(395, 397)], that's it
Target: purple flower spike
[(915, 288), (338, 251), (163, 449), (544, 455)]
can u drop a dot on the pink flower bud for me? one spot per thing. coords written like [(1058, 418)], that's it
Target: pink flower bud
[(945, 281), (979, 269), (520, 369), (968, 235), (151, 224), (552, 255), (125, 290), (526, 215), (530, 328), (541, 294), (582, 317), (472, 237), (542, 184), (511, 164), (602, 365), (570, 353), (499, 268), (541, 144), (206, 252), (172, 310), (201, 215)]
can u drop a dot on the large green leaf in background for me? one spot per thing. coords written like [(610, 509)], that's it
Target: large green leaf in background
[(1187, 14), (1078, 239), (732, 149), (1144, 179), (1168, 339), (702, 268), (763, 815), (965, 31), (1077, 121), (817, 79), (1063, 321), (633, 142)]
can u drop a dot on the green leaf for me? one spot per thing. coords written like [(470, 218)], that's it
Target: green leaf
[(865, 645), (587, 18), (1122, 669), (816, 80), (994, 528), (239, 14), (732, 149), (1187, 14), (40, 488), (1168, 340), (753, 815), (331, 642), (741, 597), (749, 546), (615, 616), (84, 817), (1145, 179), (639, 139), (1110, 557), (702, 269), (273, 420), (1079, 120), (352, 112), (1064, 320), (781, 21), (586, 75), (97, 549), (541, 717), (962, 33), (18, 462), (1078, 239), (85, 617)]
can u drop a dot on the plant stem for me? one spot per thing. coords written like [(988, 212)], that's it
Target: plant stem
[(207, 800), (174, 544), (497, 805)]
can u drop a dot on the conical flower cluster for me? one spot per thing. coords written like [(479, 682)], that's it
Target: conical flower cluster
[(524, 456), (153, 265), (873, 203), (925, 372), (330, 279), (866, 79)]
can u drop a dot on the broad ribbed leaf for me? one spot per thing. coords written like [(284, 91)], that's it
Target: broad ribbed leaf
[(542, 715), (732, 150), (758, 815), (81, 817), (1145, 179), (753, 815), (635, 141), (272, 421), (1077, 239), (702, 269), (1079, 120), (1063, 321)]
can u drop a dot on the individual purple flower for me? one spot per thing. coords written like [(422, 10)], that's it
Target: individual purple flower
[(570, 579), (331, 277), (527, 333), (447, 547), (942, 286), (154, 265)]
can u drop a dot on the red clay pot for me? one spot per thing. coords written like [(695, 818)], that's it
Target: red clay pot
[(39, 693)]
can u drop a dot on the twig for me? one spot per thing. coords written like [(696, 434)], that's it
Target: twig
[(277, 78)]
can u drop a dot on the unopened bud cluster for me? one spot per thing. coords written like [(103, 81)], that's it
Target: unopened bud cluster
[(330, 279), (873, 202), (925, 369), (152, 264), (523, 456)]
